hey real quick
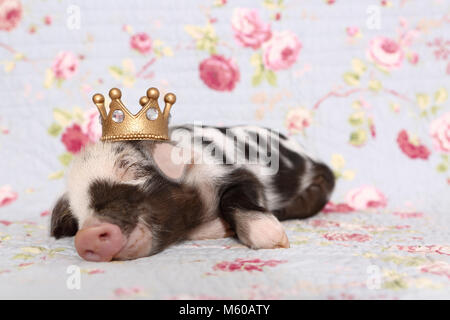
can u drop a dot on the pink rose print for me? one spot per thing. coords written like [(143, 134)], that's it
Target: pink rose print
[(10, 14), (219, 73), (412, 149), (5, 222), (441, 50), (319, 223), (3, 128), (335, 236), (74, 138), (440, 133), (385, 52), (25, 264), (7, 195), (128, 292), (92, 127), (413, 58), (365, 197), (372, 128), (249, 29), (44, 213), (440, 268), (331, 207), (407, 37), (352, 31), (246, 265), (281, 51), (65, 65), (426, 249), (48, 20), (408, 214), (95, 271), (297, 120), (141, 42)]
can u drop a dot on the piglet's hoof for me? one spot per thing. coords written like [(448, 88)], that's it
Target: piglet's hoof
[(284, 243)]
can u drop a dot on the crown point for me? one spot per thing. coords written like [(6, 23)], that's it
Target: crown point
[(143, 101), (115, 93), (153, 93), (98, 98), (170, 98)]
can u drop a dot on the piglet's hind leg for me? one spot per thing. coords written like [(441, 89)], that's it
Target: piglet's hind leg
[(242, 206)]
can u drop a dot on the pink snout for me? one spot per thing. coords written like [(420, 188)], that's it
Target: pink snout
[(99, 243)]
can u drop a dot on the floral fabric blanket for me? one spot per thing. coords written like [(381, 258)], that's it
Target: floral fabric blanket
[(362, 85)]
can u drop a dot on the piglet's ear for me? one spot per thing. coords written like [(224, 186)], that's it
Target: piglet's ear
[(169, 160), (63, 222)]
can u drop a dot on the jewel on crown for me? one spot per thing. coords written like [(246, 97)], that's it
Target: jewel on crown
[(150, 123)]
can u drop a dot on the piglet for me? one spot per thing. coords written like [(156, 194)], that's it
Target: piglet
[(132, 199)]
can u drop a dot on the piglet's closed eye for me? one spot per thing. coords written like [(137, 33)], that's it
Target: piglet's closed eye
[(169, 160)]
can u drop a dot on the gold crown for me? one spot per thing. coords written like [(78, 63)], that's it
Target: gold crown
[(148, 124)]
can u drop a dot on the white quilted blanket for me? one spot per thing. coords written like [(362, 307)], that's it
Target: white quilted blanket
[(362, 84)]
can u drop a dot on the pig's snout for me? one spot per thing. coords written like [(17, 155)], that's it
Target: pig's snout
[(99, 243)]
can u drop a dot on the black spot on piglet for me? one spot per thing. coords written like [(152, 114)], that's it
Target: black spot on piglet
[(63, 223)]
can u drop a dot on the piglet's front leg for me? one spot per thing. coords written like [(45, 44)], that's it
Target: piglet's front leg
[(242, 207), (214, 229)]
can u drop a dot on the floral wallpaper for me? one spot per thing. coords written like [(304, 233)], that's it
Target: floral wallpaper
[(363, 85)]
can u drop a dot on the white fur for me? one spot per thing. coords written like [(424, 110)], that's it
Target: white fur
[(96, 161), (214, 229), (206, 178), (308, 175)]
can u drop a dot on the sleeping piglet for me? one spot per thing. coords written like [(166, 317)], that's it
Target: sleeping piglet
[(131, 199)]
